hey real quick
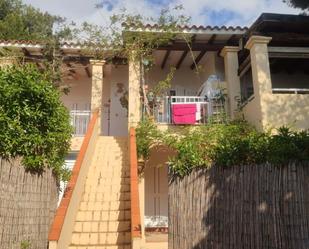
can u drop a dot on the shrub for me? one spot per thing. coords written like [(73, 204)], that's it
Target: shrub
[(34, 123), (147, 135), (232, 143)]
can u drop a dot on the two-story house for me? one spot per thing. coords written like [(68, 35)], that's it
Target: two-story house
[(264, 70)]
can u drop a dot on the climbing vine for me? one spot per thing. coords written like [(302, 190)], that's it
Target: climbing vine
[(125, 37)]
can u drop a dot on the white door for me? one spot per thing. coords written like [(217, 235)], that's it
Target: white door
[(156, 196)]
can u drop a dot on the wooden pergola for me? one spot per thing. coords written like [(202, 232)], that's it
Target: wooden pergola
[(203, 39), (290, 41)]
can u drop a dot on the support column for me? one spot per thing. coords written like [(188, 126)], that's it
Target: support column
[(261, 78), (97, 89), (134, 112), (230, 55), (260, 64), (97, 84)]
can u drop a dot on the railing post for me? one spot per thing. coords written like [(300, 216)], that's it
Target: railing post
[(136, 233)]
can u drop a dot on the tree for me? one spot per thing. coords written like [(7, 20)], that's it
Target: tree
[(300, 4), (34, 123), (19, 21)]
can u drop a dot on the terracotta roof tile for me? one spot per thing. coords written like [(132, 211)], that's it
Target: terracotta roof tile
[(35, 43), (132, 27)]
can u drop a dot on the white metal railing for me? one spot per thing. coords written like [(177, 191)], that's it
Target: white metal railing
[(163, 108), (79, 121), (291, 90)]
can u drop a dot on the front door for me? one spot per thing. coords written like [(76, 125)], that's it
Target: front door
[(156, 197)]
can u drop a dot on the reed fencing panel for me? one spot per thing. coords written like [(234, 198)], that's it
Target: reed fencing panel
[(27, 206), (249, 207)]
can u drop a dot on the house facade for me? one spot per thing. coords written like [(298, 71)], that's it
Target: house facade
[(263, 70)]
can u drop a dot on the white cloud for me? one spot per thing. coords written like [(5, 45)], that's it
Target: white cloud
[(244, 11)]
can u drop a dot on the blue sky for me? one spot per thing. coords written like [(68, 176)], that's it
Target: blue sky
[(203, 12)]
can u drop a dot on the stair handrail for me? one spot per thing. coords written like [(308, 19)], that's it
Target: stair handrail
[(59, 218), (136, 232)]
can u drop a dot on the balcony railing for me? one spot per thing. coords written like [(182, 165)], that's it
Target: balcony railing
[(79, 121), (205, 109), (291, 90)]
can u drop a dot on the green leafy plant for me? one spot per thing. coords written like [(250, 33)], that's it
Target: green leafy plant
[(25, 244), (34, 123), (147, 135), (226, 144), (158, 92), (19, 21)]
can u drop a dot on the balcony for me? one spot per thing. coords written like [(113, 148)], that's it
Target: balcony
[(80, 120), (164, 110)]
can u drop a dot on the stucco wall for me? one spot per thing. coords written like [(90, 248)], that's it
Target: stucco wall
[(187, 81), (114, 120), (118, 114), (115, 83), (252, 112), (285, 109), (219, 64), (275, 110), (79, 97), (106, 99)]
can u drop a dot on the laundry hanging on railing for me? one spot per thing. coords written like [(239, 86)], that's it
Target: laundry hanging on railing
[(184, 113)]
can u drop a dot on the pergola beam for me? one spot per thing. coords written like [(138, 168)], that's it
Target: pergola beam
[(230, 40), (165, 58), (87, 70), (203, 52), (212, 39), (184, 54), (194, 47), (26, 51), (197, 59), (182, 58)]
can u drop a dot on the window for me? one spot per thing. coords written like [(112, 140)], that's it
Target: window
[(290, 75), (246, 85)]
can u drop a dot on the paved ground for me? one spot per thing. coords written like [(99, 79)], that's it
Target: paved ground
[(156, 240)]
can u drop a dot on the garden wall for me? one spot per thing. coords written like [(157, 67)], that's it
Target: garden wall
[(27, 205), (256, 207)]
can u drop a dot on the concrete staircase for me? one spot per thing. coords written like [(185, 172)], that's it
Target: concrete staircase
[(103, 218)]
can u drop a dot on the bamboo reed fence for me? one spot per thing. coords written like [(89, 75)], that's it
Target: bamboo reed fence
[(249, 207), (27, 206)]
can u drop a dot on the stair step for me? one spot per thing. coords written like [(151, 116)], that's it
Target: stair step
[(109, 238), (108, 181), (109, 173), (104, 205), (125, 196), (122, 215), (107, 189), (101, 226), (123, 246), (103, 219)]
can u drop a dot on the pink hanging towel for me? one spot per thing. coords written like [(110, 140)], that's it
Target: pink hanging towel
[(184, 113)]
